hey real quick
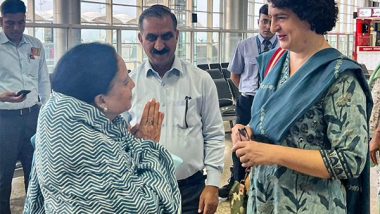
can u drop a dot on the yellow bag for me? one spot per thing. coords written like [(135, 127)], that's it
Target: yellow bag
[(239, 196)]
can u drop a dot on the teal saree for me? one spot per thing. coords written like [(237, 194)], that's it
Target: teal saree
[(325, 106)]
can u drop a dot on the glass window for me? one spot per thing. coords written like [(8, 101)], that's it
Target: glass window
[(101, 1), (130, 48), (93, 13), (343, 40), (43, 11), (200, 44), (229, 41), (126, 15), (351, 45), (216, 6), (148, 3), (182, 17), (206, 48), (184, 46), (96, 35), (202, 20), (213, 48), (200, 5), (124, 2), (46, 36), (195, 44), (216, 20), (253, 14), (332, 39)]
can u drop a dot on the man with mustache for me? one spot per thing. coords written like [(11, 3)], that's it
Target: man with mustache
[(22, 67), (193, 127), (244, 74)]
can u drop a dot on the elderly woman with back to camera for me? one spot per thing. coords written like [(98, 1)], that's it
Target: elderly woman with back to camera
[(308, 135), (86, 160)]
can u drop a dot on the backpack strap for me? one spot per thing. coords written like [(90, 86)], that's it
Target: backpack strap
[(273, 61)]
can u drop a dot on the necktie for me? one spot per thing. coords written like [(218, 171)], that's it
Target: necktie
[(267, 45)]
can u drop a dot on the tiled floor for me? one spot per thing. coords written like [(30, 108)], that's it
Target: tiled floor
[(18, 194)]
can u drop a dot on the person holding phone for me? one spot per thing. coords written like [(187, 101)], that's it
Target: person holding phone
[(22, 67), (11, 97)]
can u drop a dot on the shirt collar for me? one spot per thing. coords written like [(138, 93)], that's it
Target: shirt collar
[(4, 39), (272, 40), (176, 68)]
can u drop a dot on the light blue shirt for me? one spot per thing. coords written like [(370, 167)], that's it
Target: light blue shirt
[(244, 63), (201, 145), (19, 69)]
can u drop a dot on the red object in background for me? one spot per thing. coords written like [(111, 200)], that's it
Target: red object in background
[(362, 35), (363, 40), (363, 30)]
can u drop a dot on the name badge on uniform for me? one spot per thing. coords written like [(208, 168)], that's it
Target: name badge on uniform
[(35, 53)]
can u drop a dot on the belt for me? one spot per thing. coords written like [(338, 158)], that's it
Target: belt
[(246, 95), (196, 178), (20, 112)]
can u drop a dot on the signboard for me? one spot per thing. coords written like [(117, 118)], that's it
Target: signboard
[(371, 49), (376, 12), (369, 56), (365, 12), (368, 12)]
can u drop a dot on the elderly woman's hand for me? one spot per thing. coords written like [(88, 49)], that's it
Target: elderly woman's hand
[(150, 124)]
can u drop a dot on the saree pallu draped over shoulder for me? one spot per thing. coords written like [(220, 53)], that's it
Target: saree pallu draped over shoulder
[(85, 163), (276, 113)]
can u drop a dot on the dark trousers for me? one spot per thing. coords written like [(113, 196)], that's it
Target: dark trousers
[(191, 189), (243, 113), (16, 129)]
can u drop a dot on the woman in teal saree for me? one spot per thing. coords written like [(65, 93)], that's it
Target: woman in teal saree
[(308, 135)]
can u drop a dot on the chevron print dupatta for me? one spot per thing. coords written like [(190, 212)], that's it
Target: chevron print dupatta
[(85, 163)]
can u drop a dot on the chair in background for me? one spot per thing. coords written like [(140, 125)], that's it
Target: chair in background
[(215, 73), (235, 90), (226, 102), (226, 73), (224, 64), (203, 66), (215, 65)]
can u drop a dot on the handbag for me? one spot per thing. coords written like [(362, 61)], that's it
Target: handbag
[(239, 196)]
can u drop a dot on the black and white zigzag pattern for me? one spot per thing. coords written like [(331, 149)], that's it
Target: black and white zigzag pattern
[(85, 163)]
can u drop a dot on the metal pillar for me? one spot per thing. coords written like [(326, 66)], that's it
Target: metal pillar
[(66, 12), (235, 18)]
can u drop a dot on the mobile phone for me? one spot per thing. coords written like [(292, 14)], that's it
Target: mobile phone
[(243, 132), (23, 92)]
